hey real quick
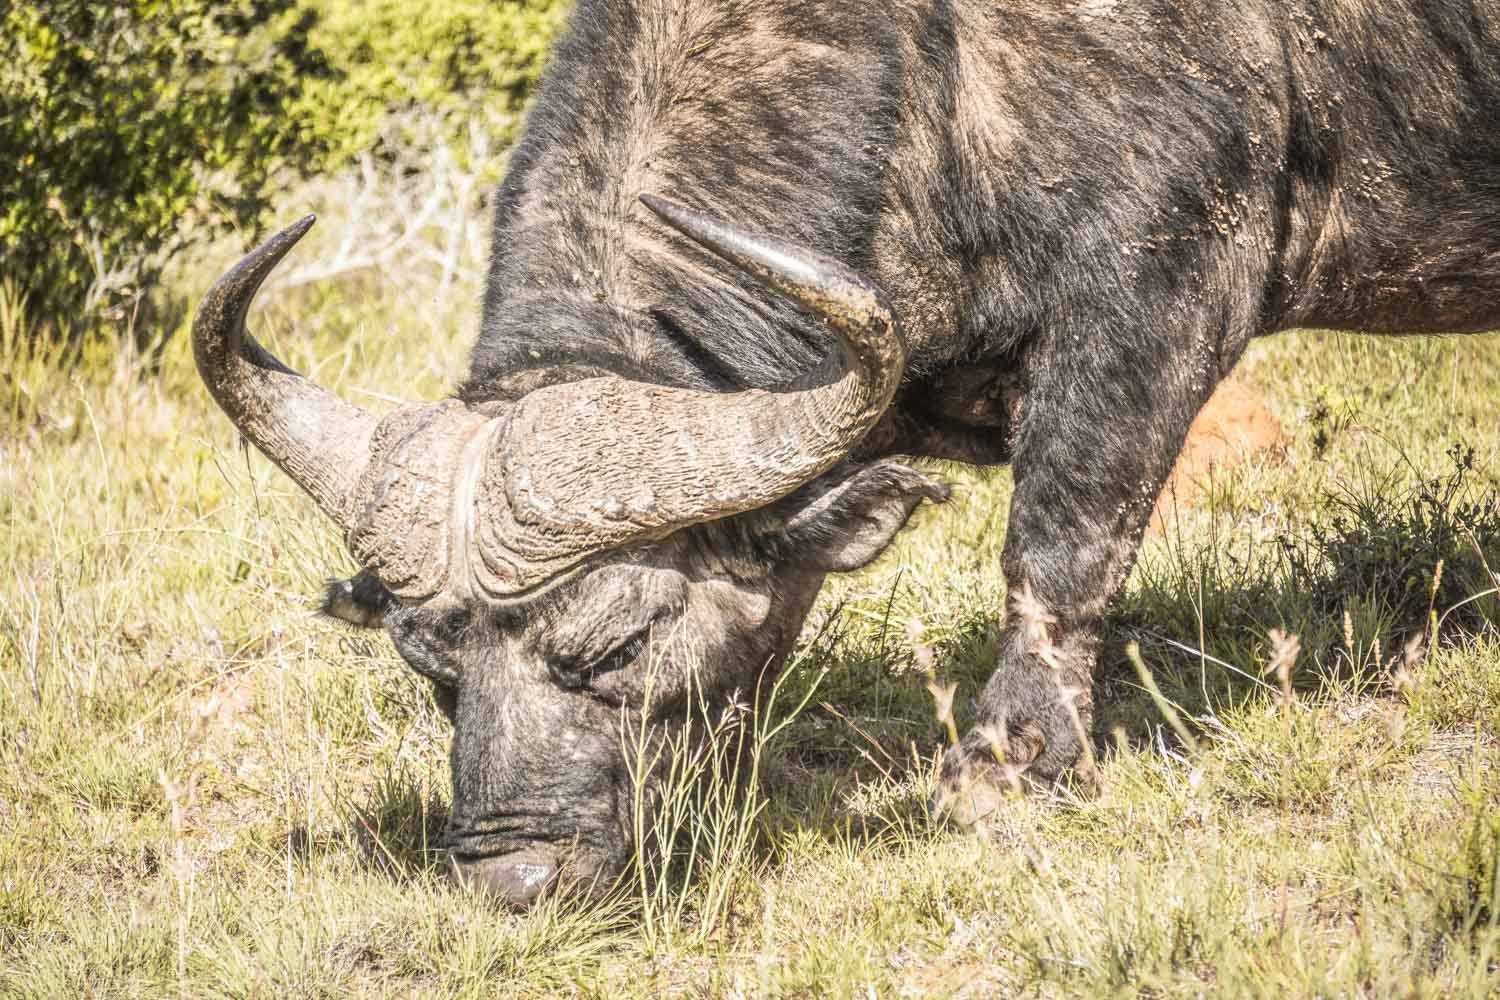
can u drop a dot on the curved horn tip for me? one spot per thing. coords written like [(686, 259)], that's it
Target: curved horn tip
[(299, 229), (697, 226), (277, 246), (788, 268), (660, 206), (269, 253), (244, 279), (233, 292), (821, 283)]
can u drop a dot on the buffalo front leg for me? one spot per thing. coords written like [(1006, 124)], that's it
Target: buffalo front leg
[(1098, 436)]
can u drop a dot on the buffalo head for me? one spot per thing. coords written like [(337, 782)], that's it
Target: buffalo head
[(539, 559)]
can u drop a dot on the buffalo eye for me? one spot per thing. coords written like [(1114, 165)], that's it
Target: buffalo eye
[(576, 675), (426, 645)]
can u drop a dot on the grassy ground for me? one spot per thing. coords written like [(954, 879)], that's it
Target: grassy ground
[(206, 790)]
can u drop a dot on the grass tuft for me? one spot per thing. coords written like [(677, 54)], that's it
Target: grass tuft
[(207, 790)]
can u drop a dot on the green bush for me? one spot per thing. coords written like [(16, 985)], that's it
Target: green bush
[(139, 127), (470, 62)]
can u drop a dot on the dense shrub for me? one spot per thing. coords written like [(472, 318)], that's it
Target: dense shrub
[(130, 127), (133, 128), (472, 62)]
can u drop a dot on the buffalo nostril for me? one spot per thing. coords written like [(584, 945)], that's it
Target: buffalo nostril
[(516, 879)]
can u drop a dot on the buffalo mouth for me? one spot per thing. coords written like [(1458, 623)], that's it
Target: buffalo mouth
[(517, 879), (521, 878)]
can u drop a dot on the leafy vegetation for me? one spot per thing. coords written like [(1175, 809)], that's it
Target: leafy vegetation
[(207, 790), (134, 130), (134, 127), (470, 63)]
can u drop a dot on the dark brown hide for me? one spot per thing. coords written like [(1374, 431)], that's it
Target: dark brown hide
[(1080, 213)]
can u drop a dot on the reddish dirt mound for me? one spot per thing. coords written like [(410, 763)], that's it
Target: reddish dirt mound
[(1235, 425)]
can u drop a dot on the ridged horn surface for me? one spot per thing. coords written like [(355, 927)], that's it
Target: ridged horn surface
[(317, 439), (588, 466)]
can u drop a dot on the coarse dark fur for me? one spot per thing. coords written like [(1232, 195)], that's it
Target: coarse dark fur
[(1082, 213)]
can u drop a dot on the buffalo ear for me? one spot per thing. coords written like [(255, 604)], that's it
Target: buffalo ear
[(361, 600), (843, 520)]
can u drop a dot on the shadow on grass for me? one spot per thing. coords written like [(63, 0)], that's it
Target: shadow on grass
[(400, 826), (1382, 578), (1360, 586)]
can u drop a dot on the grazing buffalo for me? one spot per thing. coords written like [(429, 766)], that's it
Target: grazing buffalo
[(748, 251)]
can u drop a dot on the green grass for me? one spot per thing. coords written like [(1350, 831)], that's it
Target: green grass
[(206, 790)]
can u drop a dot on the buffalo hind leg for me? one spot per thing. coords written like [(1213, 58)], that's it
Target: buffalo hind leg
[(1099, 434)]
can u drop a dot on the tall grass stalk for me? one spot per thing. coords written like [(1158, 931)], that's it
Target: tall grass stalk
[(1349, 853), (697, 802)]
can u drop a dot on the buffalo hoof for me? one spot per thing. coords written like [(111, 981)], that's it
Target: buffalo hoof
[(977, 777), (517, 880), (972, 791)]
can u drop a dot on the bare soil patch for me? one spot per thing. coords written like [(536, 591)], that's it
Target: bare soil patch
[(1236, 425)]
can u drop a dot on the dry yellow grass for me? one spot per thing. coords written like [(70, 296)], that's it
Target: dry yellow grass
[(206, 790)]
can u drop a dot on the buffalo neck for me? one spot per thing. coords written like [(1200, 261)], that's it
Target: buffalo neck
[(775, 118)]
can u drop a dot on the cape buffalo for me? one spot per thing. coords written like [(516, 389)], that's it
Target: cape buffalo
[(1035, 232)]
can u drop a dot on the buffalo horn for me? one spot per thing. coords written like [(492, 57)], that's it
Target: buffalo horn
[(592, 465), (317, 439)]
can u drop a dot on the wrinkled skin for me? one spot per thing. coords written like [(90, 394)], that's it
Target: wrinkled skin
[(1081, 212), (553, 688)]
